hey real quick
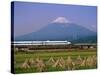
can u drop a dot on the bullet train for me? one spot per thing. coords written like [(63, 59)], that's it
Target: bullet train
[(41, 42)]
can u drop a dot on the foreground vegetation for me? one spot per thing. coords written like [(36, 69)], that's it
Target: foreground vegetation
[(26, 62)]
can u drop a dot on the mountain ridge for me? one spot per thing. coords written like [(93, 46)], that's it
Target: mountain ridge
[(58, 32)]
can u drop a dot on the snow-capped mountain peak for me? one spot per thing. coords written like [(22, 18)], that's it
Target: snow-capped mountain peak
[(60, 20)]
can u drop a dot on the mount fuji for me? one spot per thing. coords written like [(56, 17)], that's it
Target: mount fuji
[(60, 29)]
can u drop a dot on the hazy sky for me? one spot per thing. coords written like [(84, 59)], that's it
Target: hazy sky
[(30, 17)]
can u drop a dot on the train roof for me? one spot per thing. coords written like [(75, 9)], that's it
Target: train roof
[(36, 41)]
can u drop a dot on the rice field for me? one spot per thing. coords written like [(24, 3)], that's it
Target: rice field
[(27, 62)]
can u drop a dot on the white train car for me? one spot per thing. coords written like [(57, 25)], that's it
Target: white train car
[(41, 43), (57, 43)]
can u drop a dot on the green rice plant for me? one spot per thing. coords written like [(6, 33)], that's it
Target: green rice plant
[(54, 61)]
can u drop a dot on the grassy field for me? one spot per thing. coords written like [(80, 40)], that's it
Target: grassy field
[(53, 61)]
